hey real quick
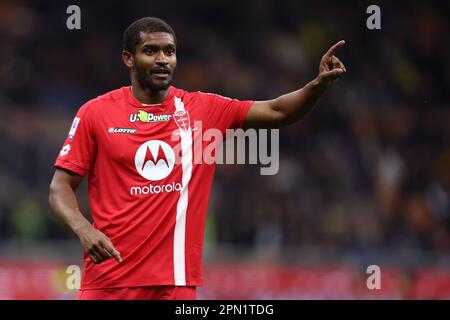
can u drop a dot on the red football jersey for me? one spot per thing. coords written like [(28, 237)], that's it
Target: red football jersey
[(146, 193)]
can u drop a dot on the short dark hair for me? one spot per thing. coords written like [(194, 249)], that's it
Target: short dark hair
[(132, 34)]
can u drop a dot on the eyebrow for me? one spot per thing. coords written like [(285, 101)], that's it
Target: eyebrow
[(156, 45)]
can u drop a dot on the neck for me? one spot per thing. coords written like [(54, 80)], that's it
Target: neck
[(147, 96)]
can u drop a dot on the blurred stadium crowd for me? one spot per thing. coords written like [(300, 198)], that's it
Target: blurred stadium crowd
[(367, 171)]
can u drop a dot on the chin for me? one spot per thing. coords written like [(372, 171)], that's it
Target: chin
[(150, 84), (157, 86), (160, 87)]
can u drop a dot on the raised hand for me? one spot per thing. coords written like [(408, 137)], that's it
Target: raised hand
[(331, 68)]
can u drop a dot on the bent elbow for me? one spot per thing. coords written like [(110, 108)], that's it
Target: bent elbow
[(53, 191)]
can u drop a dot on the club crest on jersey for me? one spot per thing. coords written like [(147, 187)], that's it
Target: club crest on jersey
[(144, 116), (182, 120)]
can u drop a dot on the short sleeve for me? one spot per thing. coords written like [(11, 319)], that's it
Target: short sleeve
[(79, 149), (225, 113)]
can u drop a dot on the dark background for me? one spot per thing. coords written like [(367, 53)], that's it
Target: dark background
[(365, 178)]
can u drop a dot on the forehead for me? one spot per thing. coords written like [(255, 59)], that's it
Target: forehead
[(156, 38)]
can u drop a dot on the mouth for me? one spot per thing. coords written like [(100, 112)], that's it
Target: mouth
[(161, 73)]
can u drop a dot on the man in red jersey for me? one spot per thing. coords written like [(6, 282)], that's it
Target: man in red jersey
[(149, 209)]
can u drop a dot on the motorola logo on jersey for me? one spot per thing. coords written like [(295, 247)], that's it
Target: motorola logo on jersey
[(154, 160)]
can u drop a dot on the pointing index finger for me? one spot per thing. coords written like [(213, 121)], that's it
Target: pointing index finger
[(109, 247), (334, 48)]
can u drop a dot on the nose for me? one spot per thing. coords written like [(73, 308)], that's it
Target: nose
[(161, 58)]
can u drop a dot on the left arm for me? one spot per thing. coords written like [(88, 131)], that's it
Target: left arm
[(293, 106)]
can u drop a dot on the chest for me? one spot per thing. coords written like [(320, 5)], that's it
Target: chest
[(139, 138)]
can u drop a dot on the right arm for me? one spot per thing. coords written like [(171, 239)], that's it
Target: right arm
[(64, 203)]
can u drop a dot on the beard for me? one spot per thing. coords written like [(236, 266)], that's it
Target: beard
[(146, 81)]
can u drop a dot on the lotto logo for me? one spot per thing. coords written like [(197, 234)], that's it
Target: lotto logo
[(65, 150), (121, 130)]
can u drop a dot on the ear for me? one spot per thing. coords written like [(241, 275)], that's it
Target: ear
[(128, 59)]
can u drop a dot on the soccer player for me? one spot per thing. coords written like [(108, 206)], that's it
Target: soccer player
[(148, 209)]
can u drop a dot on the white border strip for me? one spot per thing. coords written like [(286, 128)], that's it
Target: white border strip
[(179, 240)]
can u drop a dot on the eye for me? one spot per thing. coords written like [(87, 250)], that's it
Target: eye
[(170, 51), (149, 51)]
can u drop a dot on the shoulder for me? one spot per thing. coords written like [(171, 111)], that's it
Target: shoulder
[(180, 93), (205, 97), (106, 99)]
